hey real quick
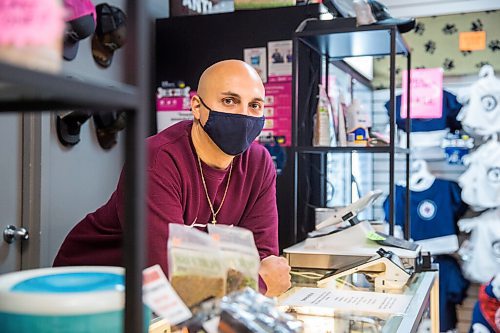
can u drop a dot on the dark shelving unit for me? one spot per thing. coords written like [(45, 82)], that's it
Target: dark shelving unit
[(31, 90), (316, 42), (26, 90), (339, 40), (369, 150)]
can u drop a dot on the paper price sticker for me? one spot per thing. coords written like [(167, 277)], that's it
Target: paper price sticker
[(472, 40), (158, 294)]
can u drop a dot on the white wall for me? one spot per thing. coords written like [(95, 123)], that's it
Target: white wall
[(10, 187)]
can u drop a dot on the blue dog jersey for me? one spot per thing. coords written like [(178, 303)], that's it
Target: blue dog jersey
[(486, 309), (452, 291), (433, 212), (448, 119)]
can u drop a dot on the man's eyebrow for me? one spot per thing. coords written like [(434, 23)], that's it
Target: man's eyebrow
[(233, 94), (230, 93)]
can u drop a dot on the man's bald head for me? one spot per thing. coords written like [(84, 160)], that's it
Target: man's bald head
[(225, 73), (231, 87)]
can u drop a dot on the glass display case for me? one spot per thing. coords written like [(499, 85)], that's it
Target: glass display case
[(423, 289)]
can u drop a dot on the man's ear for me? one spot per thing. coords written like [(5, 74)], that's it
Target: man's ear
[(195, 107)]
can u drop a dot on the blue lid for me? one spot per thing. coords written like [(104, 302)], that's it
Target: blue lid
[(72, 283)]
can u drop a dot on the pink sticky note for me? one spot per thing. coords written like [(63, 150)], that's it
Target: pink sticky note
[(30, 22), (426, 91)]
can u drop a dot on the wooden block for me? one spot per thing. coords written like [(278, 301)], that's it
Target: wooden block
[(468, 303), (463, 327), (473, 290), (464, 314)]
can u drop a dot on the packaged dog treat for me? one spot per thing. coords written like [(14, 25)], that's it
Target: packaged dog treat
[(240, 256), (195, 265)]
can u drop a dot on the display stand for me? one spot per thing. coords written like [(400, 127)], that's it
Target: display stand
[(42, 92), (317, 42)]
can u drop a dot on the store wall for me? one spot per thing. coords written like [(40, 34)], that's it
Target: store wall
[(435, 43), (77, 180)]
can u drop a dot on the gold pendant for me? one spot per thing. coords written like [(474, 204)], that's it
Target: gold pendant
[(214, 221)]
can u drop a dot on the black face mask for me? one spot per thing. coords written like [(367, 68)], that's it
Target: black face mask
[(232, 133)]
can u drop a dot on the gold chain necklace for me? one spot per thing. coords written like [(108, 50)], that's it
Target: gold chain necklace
[(214, 214)]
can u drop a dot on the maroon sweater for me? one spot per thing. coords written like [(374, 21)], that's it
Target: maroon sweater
[(176, 195)]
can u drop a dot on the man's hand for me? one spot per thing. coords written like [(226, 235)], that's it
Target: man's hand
[(275, 273)]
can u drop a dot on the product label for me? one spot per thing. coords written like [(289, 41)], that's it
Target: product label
[(186, 261), (245, 263), (159, 295)]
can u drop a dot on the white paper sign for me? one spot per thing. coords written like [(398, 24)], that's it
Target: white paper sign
[(280, 59), (349, 300), (158, 294), (256, 57), (171, 110)]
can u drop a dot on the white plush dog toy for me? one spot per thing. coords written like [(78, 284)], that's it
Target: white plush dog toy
[(480, 183), (480, 114)]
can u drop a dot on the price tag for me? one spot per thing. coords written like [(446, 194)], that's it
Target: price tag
[(372, 235), (472, 40), (158, 294)]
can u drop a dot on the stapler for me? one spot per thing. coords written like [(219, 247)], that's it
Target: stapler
[(386, 268), (348, 214)]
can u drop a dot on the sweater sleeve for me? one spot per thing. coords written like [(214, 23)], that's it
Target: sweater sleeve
[(262, 217), (163, 207)]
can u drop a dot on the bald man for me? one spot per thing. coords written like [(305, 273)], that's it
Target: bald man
[(203, 171)]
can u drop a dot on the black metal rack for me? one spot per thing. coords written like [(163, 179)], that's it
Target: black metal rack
[(371, 150), (39, 91), (34, 91), (315, 42)]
